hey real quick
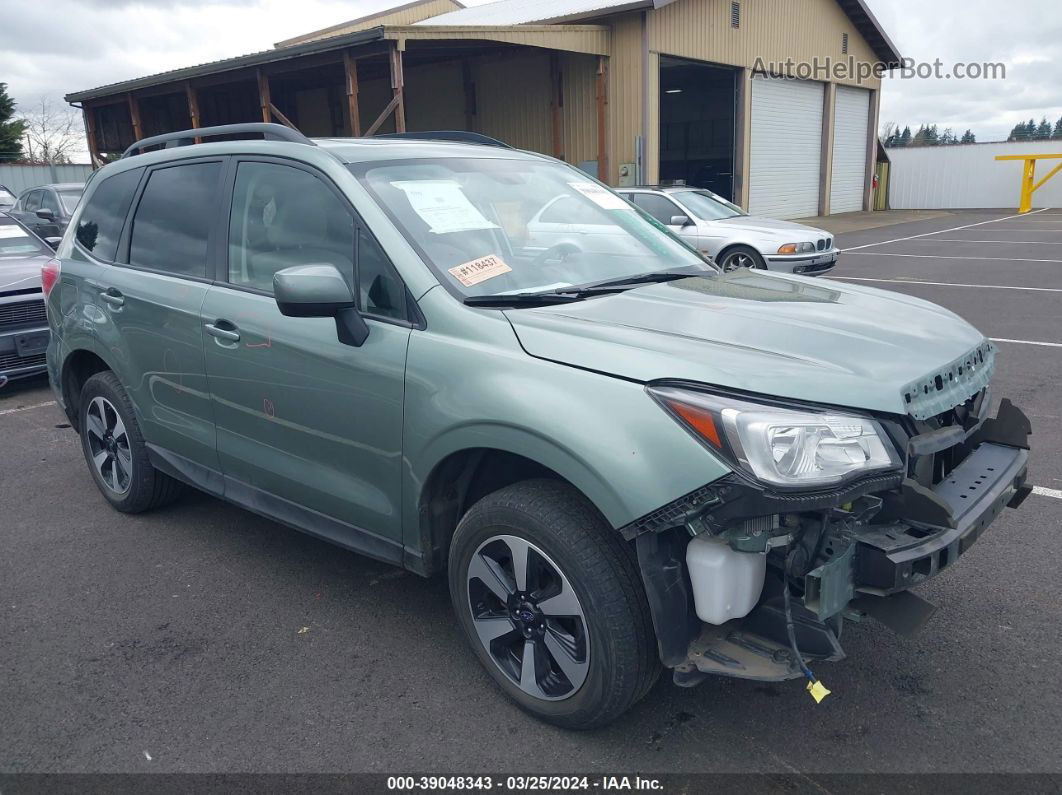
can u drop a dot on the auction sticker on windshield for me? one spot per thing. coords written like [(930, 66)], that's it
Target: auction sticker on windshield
[(443, 205), (479, 270), (604, 199)]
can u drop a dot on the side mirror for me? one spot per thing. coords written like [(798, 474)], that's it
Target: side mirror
[(53, 242), (46, 214), (680, 220), (320, 291)]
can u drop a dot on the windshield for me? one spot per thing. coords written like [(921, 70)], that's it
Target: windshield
[(489, 226), (70, 197), (15, 241), (707, 206)]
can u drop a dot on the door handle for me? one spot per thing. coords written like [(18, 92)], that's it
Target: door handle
[(113, 297), (218, 331)]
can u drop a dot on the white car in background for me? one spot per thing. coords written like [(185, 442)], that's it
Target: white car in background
[(732, 237)]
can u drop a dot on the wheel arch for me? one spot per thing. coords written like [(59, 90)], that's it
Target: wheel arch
[(464, 474), (78, 366)]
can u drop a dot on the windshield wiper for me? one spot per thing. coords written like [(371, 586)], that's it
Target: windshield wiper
[(628, 282), (521, 299)]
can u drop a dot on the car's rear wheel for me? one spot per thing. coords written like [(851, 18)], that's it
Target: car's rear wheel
[(740, 258), (115, 451), (552, 604)]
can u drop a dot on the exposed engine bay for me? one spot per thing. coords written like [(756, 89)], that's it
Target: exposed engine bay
[(753, 582)]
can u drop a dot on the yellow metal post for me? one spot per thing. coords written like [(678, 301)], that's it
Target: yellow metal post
[(1029, 185)]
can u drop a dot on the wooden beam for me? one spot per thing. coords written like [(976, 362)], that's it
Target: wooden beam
[(263, 95), (602, 118), (273, 109), (350, 67), (193, 105), (89, 114), (556, 102), (398, 87), (134, 117), (383, 115)]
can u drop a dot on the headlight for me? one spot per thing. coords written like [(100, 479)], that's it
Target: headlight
[(796, 248), (781, 446)]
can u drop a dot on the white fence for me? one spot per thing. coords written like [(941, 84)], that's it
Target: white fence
[(968, 176), (16, 178)]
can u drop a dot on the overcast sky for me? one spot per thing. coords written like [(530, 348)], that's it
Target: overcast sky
[(49, 48)]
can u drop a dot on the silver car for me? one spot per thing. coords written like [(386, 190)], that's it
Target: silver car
[(732, 237)]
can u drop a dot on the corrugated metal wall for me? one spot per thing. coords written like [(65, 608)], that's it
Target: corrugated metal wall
[(579, 114), (512, 99), (624, 91), (18, 177), (404, 15), (771, 29), (946, 177)]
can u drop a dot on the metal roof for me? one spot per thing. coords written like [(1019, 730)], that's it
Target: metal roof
[(229, 64), (522, 12)]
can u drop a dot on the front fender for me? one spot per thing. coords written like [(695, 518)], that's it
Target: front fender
[(605, 435)]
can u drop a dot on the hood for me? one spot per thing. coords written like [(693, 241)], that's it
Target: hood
[(786, 336), (21, 273), (770, 226)]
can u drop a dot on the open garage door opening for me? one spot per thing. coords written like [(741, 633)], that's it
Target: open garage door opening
[(697, 106)]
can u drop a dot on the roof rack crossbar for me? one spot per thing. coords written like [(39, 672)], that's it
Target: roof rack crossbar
[(461, 136), (270, 132)]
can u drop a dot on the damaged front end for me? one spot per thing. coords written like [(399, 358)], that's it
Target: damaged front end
[(754, 579)]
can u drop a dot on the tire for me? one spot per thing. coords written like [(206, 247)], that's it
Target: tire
[(741, 258), (582, 608), (125, 477)]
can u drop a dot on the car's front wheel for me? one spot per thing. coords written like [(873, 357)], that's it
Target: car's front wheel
[(553, 604), (740, 258)]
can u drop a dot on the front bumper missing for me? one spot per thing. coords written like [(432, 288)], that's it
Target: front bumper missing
[(915, 534)]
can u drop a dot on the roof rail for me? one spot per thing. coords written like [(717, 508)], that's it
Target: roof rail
[(460, 136), (270, 132)]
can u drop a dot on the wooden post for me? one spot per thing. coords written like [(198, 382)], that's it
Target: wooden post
[(90, 134), (350, 66), (398, 86), (263, 95), (556, 102), (193, 104), (602, 118), (134, 117)]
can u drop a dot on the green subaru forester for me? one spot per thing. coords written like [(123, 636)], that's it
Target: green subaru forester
[(454, 356)]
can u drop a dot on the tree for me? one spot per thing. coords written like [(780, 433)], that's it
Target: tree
[(1057, 134), (947, 138), (1043, 131), (53, 133), (968, 138), (905, 137), (10, 129)]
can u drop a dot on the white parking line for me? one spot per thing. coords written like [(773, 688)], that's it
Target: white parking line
[(1015, 242), (26, 408), (941, 231), (1056, 493), (948, 256), (949, 284), (1027, 342)]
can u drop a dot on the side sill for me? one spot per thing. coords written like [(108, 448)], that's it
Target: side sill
[(276, 508)]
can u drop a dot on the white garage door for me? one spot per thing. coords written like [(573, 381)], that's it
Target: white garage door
[(851, 115), (786, 147)]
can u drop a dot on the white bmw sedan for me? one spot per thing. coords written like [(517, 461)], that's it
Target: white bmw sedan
[(732, 237)]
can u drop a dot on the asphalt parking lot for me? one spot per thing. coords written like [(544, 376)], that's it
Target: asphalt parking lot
[(202, 638)]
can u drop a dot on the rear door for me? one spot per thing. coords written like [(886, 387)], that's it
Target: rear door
[(151, 299), (307, 426)]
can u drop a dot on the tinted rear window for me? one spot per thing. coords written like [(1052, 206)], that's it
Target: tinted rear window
[(100, 224), (171, 226)]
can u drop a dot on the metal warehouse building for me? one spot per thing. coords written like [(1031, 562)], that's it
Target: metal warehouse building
[(640, 91)]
